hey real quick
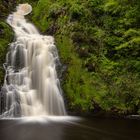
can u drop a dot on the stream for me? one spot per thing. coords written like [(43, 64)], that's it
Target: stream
[(69, 128)]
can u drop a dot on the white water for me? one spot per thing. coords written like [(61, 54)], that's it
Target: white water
[(31, 86)]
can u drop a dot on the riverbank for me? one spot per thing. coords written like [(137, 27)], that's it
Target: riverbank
[(104, 114)]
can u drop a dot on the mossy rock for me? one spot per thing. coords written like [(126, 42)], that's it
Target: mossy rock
[(6, 36), (3, 11), (5, 31)]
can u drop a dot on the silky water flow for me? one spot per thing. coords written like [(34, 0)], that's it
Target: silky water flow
[(31, 85)]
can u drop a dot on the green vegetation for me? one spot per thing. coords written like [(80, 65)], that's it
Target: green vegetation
[(99, 43), (6, 36)]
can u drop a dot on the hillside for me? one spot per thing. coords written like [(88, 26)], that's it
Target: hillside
[(99, 48)]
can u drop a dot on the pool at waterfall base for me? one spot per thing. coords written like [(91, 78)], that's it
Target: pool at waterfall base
[(69, 128)]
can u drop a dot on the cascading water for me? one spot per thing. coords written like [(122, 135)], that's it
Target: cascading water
[(31, 85)]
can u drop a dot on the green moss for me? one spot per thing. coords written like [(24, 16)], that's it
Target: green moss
[(98, 41), (6, 36)]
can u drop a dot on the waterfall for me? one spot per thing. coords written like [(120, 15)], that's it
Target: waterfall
[(31, 85)]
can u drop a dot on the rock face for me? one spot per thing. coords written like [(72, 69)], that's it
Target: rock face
[(6, 36)]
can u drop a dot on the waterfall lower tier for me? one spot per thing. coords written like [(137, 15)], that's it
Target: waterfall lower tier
[(31, 85)]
